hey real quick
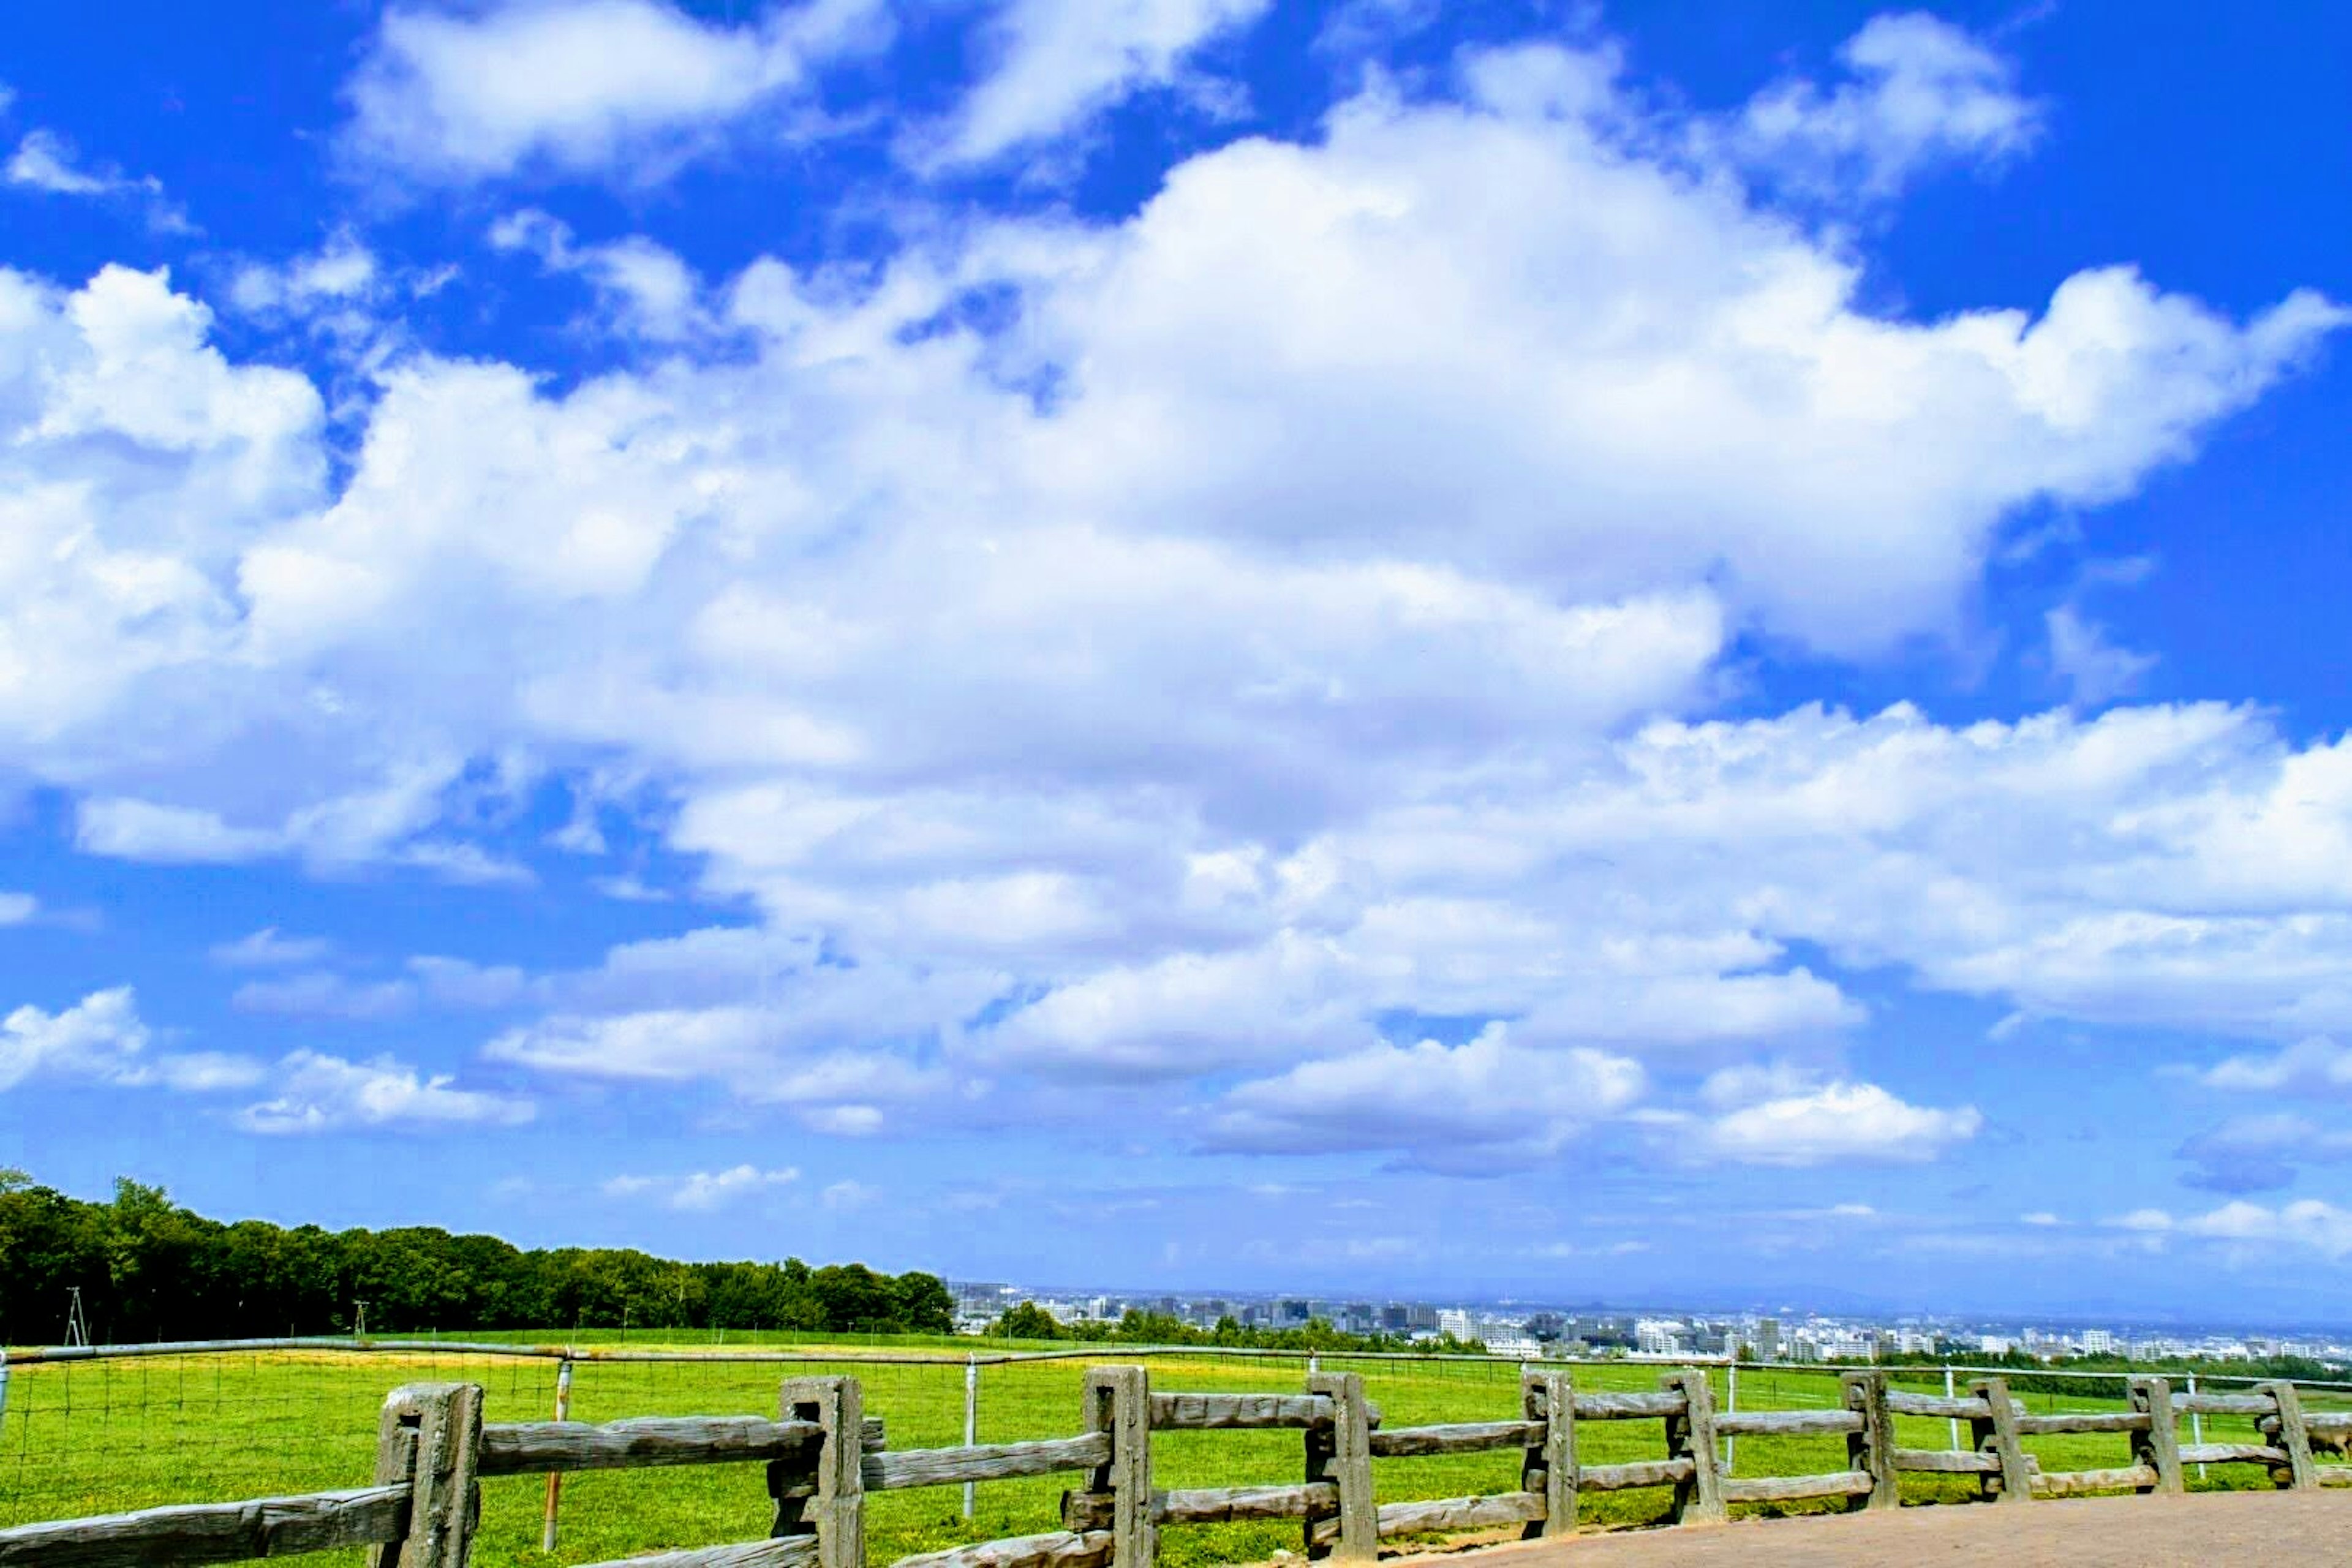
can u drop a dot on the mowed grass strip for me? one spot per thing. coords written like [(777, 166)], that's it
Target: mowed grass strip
[(103, 1436)]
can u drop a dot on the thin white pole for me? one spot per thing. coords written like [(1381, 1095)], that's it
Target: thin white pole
[(1955, 1422), (2196, 1424), (1730, 1402), (970, 1417), (555, 1479)]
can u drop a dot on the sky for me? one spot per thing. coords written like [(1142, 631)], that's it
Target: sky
[(1660, 652)]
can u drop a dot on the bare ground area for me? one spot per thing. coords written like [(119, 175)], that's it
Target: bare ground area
[(2088, 1532)]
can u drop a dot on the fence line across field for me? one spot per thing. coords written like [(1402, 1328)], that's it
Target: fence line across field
[(849, 1351), (826, 1450), (121, 1417)]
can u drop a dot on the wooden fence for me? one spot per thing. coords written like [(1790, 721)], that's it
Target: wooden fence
[(823, 1454)]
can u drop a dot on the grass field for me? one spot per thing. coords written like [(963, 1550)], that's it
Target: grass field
[(105, 1436)]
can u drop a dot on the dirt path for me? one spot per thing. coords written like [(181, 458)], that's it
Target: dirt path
[(2088, 1532)]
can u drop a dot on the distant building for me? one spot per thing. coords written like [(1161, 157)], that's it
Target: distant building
[(1768, 1339), (2098, 1342), (1456, 1321)]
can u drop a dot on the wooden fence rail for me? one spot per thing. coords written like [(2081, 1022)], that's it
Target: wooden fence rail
[(822, 1455)]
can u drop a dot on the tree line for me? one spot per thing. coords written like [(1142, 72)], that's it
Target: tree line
[(149, 1270)]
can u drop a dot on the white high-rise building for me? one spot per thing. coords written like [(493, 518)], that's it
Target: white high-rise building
[(2097, 1341)]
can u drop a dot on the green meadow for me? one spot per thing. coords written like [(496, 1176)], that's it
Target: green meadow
[(106, 1435)]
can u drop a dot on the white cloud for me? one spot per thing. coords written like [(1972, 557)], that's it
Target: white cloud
[(15, 909), (2308, 1222), (645, 289), (846, 1195), (341, 274), (2095, 668), (270, 948), (320, 1093), (1838, 1123), (1485, 1105), (1057, 63), (703, 1190), (99, 1039), (46, 162), (2316, 1064), (2042, 1218), (625, 87), (847, 1057), (1286, 663), (1922, 92), (102, 1040)]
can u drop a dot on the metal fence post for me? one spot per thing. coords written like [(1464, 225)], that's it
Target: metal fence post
[(2196, 1424), (555, 1478), (1730, 1402), (970, 1417), (1949, 1393)]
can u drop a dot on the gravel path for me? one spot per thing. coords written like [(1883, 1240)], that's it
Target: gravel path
[(2086, 1532)]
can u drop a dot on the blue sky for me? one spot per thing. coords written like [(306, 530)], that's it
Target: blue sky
[(1675, 651)]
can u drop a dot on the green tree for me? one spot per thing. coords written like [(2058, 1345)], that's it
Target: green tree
[(1026, 1321)]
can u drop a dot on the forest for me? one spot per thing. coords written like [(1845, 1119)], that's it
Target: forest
[(149, 1270)]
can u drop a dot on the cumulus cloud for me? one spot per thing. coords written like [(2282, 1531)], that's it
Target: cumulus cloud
[(1921, 92), (319, 1093), (645, 289), (102, 1040), (342, 272), (628, 88), (1057, 63), (1487, 1105), (703, 1190), (1835, 1122), (99, 1038), (1177, 644)]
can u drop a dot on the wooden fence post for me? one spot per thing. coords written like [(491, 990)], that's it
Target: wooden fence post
[(1118, 1402), (430, 1436), (1872, 1449), (2159, 1447), (1995, 1432), (2293, 1435), (1691, 1436), (1550, 1467), (825, 1495), (1342, 1453)]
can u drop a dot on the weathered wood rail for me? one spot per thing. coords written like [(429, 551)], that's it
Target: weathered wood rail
[(823, 1454)]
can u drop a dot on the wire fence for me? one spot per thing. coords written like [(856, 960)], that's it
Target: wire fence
[(99, 1431)]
